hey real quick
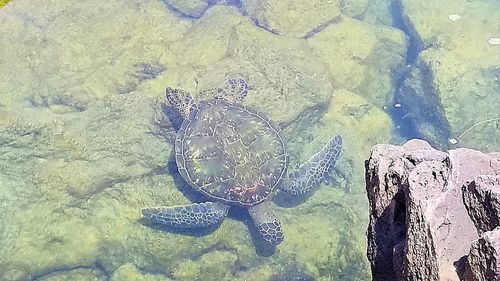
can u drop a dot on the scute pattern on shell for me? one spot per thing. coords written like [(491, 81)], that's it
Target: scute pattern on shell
[(231, 152)]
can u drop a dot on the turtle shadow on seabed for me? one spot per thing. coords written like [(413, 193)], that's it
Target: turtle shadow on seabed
[(190, 193), (172, 115), (262, 247)]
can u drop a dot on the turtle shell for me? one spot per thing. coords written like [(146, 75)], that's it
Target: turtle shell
[(231, 152)]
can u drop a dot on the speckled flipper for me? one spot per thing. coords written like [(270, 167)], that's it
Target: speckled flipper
[(311, 173), (181, 100), (234, 89), (187, 216), (266, 223)]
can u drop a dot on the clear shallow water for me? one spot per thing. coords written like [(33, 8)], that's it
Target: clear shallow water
[(87, 140)]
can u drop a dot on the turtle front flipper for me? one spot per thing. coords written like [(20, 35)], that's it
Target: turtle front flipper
[(187, 216), (311, 173), (234, 89), (181, 100), (268, 226)]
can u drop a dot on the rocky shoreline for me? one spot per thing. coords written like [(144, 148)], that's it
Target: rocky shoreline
[(433, 215)]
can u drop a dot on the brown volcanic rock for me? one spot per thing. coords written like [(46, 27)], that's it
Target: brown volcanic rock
[(419, 227), (483, 262), (482, 200)]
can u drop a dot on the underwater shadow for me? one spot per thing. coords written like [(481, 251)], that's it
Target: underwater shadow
[(175, 120), (189, 192), (172, 115), (262, 247), (286, 200)]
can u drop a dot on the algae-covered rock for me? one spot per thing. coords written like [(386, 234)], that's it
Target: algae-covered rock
[(208, 38), (223, 42), (291, 271), (460, 66), (287, 89), (292, 17), (216, 265), (188, 8), (49, 209), (361, 125), (79, 274), (61, 63), (380, 12), (193, 8), (363, 58), (327, 253), (3, 3), (86, 143), (354, 8), (130, 272)]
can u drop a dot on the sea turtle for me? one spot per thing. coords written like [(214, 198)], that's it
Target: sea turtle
[(236, 155)]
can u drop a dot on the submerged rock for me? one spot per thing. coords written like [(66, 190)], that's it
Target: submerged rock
[(61, 64), (215, 265), (187, 8), (361, 124), (3, 3), (362, 58), (195, 9), (380, 12), (354, 8), (293, 18), (295, 86), (454, 72), (86, 144), (291, 272), (130, 272), (77, 274), (419, 226)]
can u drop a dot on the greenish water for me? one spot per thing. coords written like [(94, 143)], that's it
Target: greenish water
[(87, 138), (4, 2)]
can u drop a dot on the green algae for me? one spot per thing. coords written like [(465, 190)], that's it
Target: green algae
[(82, 116), (99, 158), (78, 274), (367, 59), (130, 272), (354, 8), (216, 265), (292, 17), (460, 70), (190, 8), (3, 3)]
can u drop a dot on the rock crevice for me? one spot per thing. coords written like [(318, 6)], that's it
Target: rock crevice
[(430, 211)]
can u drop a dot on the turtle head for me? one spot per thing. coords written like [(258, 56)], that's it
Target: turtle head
[(181, 100)]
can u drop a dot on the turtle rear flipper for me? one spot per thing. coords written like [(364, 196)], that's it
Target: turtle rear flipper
[(181, 100), (268, 226), (234, 89), (310, 174), (187, 216)]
